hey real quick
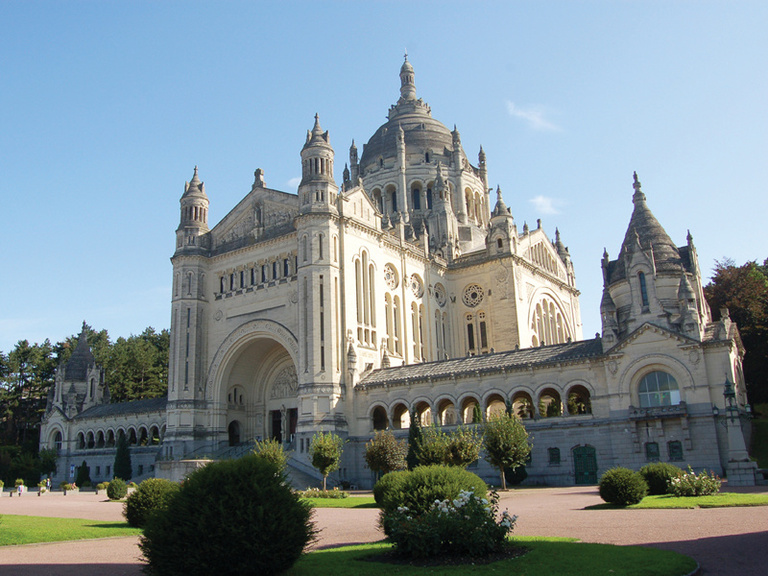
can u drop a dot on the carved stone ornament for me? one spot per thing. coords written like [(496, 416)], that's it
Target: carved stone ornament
[(613, 366), (694, 356), (440, 294), (473, 295), (416, 285), (218, 316), (294, 297), (286, 383), (390, 276)]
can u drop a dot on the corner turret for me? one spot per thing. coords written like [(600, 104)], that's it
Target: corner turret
[(193, 225)]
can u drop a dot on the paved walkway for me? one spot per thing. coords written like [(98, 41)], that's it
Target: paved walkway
[(725, 541)]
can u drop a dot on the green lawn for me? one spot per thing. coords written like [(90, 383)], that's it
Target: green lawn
[(351, 502), (31, 529), (546, 557), (719, 500)]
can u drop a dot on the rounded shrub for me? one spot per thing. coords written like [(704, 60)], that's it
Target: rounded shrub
[(116, 489), (622, 486), (151, 495), (418, 489), (231, 517), (657, 475)]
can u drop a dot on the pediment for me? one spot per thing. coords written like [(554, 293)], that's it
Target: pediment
[(360, 207), (263, 212), (649, 333)]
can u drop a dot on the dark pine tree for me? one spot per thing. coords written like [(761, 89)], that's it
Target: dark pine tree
[(123, 468)]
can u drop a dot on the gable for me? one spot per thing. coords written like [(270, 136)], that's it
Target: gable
[(263, 213), (649, 334), (359, 206)]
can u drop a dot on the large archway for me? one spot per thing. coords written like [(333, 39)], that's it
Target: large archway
[(258, 390)]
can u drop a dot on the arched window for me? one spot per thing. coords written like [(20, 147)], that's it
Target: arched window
[(548, 324), (416, 198), (643, 289), (658, 389), (379, 418), (397, 326), (57, 441)]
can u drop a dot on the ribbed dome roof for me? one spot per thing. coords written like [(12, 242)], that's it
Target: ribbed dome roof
[(421, 131)]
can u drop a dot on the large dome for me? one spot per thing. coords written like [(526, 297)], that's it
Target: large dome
[(422, 133)]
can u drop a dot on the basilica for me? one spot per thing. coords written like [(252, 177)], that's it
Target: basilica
[(406, 289)]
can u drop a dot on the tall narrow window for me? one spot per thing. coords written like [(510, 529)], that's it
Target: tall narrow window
[(319, 246), (396, 312), (643, 289), (322, 323), (389, 321)]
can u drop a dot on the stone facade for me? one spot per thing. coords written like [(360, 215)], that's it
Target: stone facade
[(343, 308)]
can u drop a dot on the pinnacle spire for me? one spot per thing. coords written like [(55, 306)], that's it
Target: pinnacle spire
[(638, 196), (407, 84)]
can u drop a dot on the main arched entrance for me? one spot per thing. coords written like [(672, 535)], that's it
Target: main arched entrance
[(257, 389)]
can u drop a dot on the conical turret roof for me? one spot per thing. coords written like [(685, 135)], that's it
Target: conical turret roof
[(76, 368), (645, 233)]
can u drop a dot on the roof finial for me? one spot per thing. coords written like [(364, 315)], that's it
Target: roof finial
[(405, 56), (638, 195)]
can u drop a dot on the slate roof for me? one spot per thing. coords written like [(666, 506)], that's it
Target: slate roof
[(646, 229), (125, 408), (486, 363)]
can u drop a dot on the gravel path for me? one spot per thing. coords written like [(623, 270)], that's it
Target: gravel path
[(725, 541)]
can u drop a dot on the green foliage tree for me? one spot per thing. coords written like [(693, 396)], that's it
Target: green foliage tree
[(385, 453), (460, 447), (414, 436), (506, 443), (744, 291), (122, 468), (272, 450), (83, 476), (26, 376), (325, 451), (477, 414)]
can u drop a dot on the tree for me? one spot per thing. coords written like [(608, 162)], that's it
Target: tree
[(744, 291), (460, 447), (414, 436), (477, 414), (325, 451), (272, 450), (385, 453), (122, 468), (506, 443), (83, 476)]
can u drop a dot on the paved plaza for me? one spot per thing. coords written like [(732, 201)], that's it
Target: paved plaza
[(725, 541)]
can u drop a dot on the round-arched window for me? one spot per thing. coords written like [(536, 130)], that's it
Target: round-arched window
[(658, 389)]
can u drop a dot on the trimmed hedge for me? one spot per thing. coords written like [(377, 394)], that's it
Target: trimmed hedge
[(622, 486), (152, 494), (117, 489), (657, 475), (418, 489), (231, 517)]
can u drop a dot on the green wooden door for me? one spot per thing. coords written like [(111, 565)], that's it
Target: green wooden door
[(585, 465)]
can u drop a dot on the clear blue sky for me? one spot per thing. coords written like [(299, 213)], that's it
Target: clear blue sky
[(106, 107)]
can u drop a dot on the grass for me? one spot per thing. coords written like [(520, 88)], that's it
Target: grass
[(33, 529), (351, 502), (719, 500), (546, 556)]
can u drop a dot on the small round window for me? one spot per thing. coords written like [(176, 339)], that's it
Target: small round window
[(473, 295)]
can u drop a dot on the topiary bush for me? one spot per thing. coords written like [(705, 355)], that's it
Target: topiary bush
[(152, 494), (657, 475), (231, 517), (419, 488), (116, 489), (622, 486)]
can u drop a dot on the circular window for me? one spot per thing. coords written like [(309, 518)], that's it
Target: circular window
[(473, 295), (390, 276), (417, 286), (440, 295)]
